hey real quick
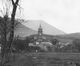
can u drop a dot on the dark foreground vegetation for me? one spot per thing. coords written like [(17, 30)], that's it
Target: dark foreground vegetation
[(23, 45), (23, 55)]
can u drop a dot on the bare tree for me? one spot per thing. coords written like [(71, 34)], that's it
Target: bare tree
[(14, 4)]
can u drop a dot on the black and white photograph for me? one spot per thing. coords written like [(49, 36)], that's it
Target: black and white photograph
[(39, 32)]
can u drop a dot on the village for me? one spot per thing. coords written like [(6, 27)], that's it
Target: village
[(39, 33)]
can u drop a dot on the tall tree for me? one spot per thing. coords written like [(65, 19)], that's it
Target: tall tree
[(3, 32), (14, 4), (6, 51)]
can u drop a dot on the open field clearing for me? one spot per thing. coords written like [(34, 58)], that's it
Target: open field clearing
[(45, 59)]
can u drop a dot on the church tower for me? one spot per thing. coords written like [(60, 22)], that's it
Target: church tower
[(40, 33), (40, 30)]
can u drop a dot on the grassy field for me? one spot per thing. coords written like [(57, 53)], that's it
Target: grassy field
[(45, 59)]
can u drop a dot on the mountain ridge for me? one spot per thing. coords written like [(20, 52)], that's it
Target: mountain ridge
[(47, 28), (30, 27), (71, 35), (24, 31)]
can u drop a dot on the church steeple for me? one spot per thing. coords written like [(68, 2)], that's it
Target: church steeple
[(40, 30), (40, 34)]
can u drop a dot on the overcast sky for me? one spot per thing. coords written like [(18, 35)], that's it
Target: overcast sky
[(62, 14)]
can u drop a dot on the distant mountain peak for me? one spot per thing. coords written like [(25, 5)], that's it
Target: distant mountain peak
[(29, 27), (47, 28)]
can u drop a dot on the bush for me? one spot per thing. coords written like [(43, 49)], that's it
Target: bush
[(19, 45), (54, 41)]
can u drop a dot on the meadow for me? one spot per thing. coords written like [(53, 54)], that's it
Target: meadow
[(45, 59)]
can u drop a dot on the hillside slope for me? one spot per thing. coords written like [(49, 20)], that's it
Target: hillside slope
[(47, 29), (71, 35), (24, 31)]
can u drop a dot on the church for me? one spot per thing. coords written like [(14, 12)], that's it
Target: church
[(40, 39), (40, 36)]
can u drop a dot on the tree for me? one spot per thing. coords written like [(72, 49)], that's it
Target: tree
[(14, 4), (28, 40), (54, 41), (19, 44), (4, 30), (76, 44), (6, 51)]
